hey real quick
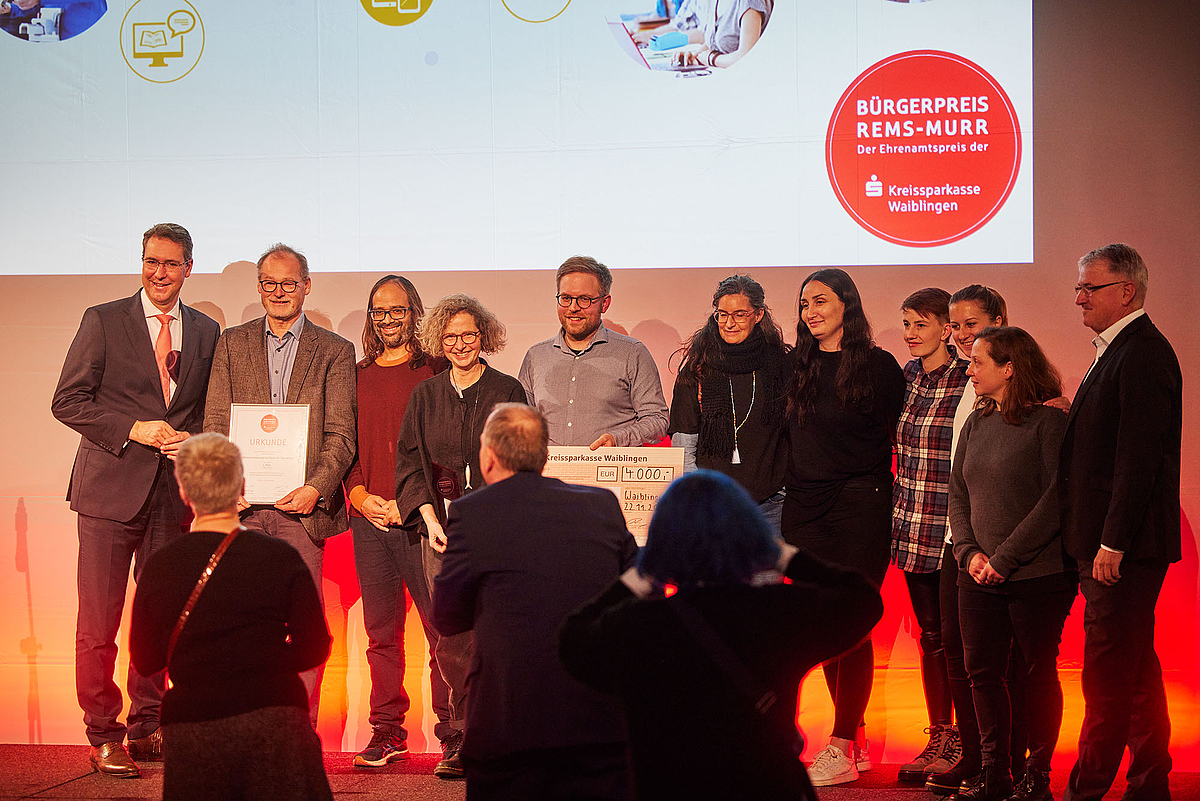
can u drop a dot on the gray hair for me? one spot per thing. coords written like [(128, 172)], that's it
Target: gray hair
[(286, 250), (519, 436), (1124, 261), (209, 468)]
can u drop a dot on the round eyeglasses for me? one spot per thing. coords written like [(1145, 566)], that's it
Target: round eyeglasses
[(466, 337), (583, 300)]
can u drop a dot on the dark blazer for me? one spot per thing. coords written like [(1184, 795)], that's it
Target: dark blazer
[(322, 377), (1118, 473), (109, 381), (523, 554)]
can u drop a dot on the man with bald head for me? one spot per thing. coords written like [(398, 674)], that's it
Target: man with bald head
[(1118, 480), (523, 553)]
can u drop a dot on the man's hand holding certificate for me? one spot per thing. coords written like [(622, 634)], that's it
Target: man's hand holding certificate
[(273, 439)]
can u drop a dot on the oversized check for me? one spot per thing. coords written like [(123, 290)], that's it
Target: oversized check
[(638, 476), (273, 439)]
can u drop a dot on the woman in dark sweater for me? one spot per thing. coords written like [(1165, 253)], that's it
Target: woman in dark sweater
[(708, 677), (844, 399), (437, 460), (235, 721), (1015, 585), (727, 408)]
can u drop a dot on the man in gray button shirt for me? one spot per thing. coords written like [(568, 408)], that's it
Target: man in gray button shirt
[(596, 387)]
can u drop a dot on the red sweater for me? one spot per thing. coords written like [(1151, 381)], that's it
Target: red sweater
[(382, 398)]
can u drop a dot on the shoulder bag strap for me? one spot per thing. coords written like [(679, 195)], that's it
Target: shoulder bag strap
[(199, 588)]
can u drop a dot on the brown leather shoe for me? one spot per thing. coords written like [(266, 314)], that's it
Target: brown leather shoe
[(148, 748), (112, 759)]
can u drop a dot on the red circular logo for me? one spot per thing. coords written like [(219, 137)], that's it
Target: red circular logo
[(923, 148), (269, 423)]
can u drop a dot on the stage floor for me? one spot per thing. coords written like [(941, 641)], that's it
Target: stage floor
[(62, 771)]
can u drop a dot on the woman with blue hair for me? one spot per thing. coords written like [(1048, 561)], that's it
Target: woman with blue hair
[(708, 677)]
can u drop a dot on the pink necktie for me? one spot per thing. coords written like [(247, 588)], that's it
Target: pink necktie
[(162, 349)]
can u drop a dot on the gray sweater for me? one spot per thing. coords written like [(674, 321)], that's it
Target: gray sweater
[(1003, 500)]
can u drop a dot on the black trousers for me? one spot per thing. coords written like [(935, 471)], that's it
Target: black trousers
[(960, 682), (855, 532), (1125, 703), (991, 624), (924, 592)]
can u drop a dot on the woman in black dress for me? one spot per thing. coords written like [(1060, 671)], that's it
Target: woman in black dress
[(844, 400)]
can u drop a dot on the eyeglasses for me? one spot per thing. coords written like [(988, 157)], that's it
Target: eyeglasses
[(288, 286), (395, 313), (1088, 289), (171, 264), (740, 317), (467, 338), (583, 300)]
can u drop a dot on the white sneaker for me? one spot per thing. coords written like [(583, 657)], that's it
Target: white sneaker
[(831, 766), (862, 756)]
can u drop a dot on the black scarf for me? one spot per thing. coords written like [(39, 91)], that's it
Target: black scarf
[(753, 355)]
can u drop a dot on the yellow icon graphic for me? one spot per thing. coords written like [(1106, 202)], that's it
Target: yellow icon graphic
[(535, 11), (396, 12), (162, 40)]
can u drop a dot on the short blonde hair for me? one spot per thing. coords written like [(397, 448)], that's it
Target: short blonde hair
[(491, 330), (209, 469)]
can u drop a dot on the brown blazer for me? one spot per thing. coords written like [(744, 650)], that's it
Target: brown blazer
[(322, 377), (110, 380)]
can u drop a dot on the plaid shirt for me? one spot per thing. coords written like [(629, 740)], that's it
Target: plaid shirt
[(920, 496)]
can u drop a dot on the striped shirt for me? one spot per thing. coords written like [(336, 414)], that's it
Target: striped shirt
[(920, 495)]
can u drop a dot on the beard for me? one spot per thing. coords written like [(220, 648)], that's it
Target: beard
[(393, 339)]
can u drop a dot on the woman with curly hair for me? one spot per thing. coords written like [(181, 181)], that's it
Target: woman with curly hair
[(437, 460), (727, 408), (844, 399)]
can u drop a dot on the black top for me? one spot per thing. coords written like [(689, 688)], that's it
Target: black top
[(837, 442), (439, 441), (693, 733), (759, 439), (257, 624)]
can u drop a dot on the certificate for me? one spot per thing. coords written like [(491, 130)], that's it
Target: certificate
[(273, 439), (637, 476)]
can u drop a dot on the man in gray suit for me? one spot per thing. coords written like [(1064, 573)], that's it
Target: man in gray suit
[(133, 386), (283, 357)]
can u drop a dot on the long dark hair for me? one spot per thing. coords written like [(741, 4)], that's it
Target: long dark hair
[(1034, 379), (372, 347), (705, 343), (853, 380)]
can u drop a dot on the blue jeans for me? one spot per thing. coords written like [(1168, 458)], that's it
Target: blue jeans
[(772, 509)]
